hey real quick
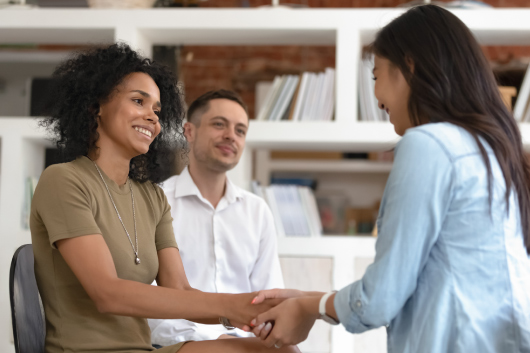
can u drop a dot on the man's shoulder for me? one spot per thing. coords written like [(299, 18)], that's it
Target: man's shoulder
[(169, 184)]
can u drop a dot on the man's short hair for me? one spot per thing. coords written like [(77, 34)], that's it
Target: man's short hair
[(201, 104)]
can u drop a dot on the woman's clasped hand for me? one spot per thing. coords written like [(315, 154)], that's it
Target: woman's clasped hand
[(244, 309), (288, 322)]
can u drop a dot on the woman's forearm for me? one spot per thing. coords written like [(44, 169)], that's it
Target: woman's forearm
[(130, 298)]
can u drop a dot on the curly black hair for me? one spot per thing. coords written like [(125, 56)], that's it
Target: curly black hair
[(85, 81)]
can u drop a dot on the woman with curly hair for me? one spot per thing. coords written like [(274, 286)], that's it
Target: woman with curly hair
[(101, 226)]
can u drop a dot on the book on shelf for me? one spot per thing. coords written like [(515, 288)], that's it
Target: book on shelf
[(368, 104), (306, 97), (293, 207), (284, 98)]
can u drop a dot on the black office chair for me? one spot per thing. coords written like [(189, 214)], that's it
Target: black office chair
[(29, 329)]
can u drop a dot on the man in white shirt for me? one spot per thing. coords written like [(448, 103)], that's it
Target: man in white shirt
[(226, 235)]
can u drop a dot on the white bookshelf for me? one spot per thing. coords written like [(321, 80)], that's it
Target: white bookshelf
[(22, 144)]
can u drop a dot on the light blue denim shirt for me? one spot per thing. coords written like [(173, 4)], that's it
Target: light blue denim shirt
[(448, 276)]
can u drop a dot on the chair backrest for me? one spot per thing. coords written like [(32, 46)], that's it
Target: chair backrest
[(29, 329)]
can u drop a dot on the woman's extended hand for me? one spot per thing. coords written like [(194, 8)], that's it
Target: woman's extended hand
[(240, 310), (287, 323), (264, 295), (277, 294)]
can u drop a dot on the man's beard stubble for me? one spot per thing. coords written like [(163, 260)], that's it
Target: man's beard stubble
[(213, 163)]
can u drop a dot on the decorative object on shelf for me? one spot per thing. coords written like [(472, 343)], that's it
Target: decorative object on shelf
[(360, 220), (332, 210), (123, 4)]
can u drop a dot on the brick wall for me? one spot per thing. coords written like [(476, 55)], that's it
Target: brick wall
[(203, 68)]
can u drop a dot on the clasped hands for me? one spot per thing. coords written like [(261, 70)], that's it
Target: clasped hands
[(281, 316)]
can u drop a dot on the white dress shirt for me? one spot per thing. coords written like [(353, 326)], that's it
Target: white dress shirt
[(228, 249)]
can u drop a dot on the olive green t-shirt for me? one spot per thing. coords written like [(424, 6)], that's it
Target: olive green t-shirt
[(71, 201)]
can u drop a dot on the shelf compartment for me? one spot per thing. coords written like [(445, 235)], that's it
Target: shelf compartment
[(332, 166)]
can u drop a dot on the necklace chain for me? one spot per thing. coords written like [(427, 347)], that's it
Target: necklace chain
[(137, 259)]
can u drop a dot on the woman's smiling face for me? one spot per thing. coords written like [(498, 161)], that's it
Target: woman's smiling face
[(128, 121), (392, 92)]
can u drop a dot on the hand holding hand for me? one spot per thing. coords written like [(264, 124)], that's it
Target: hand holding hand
[(288, 323), (241, 310)]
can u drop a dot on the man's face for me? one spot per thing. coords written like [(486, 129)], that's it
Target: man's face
[(218, 142)]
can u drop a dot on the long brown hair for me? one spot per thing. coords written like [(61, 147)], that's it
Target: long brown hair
[(452, 82)]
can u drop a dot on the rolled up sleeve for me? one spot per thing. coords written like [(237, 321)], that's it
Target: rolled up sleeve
[(413, 208)]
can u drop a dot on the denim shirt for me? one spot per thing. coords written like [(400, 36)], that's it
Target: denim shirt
[(450, 273)]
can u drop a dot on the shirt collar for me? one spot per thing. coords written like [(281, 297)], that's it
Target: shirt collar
[(186, 187), (232, 193)]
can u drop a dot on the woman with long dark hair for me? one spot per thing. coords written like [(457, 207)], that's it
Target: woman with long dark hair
[(100, 225), (451, 271)]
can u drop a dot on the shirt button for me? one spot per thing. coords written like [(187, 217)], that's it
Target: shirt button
[(358, 303)]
